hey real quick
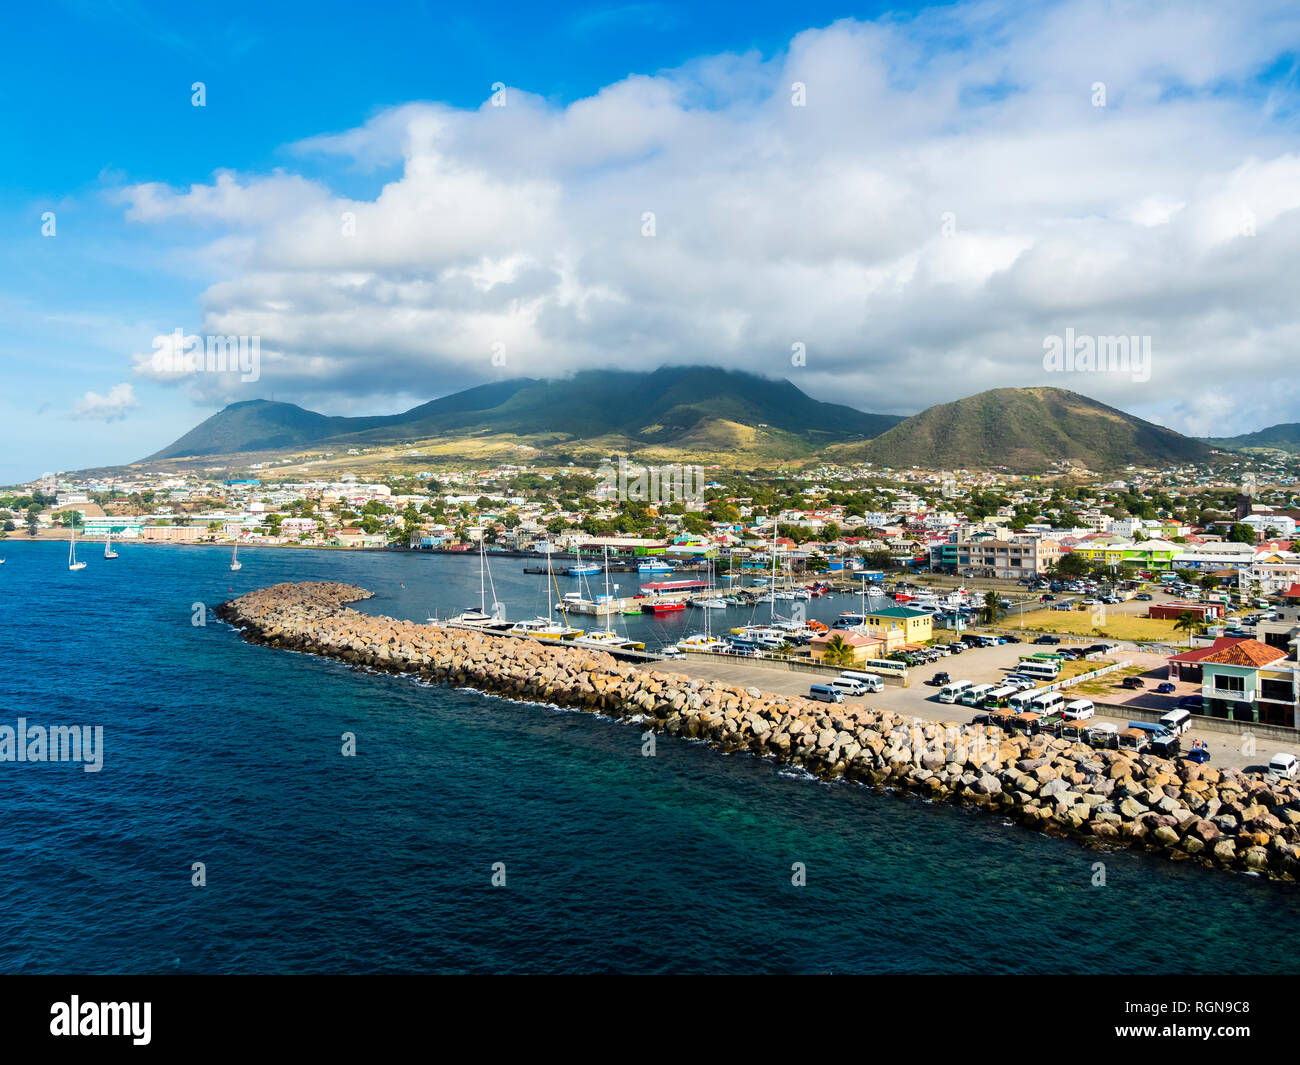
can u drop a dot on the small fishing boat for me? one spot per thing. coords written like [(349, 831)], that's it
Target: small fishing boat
[(584, 570), (662, 608)]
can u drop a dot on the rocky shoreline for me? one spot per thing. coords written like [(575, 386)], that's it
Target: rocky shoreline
[(1221, 819)]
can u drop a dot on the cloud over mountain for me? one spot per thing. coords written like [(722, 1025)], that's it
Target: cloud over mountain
[(949, 195)]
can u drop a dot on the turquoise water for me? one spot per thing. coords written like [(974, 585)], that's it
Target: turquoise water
[(221, 752)]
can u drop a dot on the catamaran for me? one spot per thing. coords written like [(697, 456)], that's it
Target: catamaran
[(73, 564), (235, 564), (108, 546)]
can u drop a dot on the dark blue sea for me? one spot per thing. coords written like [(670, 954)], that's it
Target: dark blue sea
[(223, 753)]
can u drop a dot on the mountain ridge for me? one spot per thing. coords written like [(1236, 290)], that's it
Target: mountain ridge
[(654, 408)]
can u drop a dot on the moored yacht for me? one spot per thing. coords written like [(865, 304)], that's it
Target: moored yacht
[(700, 641), (544, 629)]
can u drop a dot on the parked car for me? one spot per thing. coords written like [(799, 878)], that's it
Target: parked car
[(939, 680), (1144, 597), (1164, 688), (1047, 639), (1132, 682), (1199, 755), (1194, 703)]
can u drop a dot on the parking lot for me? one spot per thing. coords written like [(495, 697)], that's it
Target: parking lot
[(988, 665)]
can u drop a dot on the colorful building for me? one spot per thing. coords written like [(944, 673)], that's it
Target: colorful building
[(1242, 680), (915, 626)]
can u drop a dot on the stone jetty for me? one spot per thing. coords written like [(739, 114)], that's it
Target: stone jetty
[(1220, 818)]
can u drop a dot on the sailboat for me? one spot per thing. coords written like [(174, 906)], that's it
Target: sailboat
[(73, 564), (235, 564), (479, 615), (607, 637), (708, 600), (545, 628), (108, 546)]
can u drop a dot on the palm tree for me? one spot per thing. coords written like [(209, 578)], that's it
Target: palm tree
[(838, 652), (1189, 623), (992, 609)]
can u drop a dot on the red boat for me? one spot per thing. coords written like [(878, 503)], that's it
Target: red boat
[(662, 608)]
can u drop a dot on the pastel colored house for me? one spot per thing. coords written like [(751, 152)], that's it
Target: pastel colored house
[(913, 626), (1242, 680), (864, 646)]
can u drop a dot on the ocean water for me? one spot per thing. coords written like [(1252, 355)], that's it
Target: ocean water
[(228, 754)]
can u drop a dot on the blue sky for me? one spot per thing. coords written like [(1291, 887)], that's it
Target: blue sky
[(683, 108)]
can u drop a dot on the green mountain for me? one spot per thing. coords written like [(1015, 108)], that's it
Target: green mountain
[(672, 406), (1284, 437), (1026, 430)]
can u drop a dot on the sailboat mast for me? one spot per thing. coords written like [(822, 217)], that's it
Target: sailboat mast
[(771, 592), (482, 592)]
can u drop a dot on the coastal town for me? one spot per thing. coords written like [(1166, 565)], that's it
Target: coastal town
[(1153, 593)]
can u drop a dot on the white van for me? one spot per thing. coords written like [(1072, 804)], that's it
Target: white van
[(950, 693), (975, 696), (1048, 702), (1284, 766), (1079, 710), (873, 681), (823, 693), (1177, 721), (849, 687)]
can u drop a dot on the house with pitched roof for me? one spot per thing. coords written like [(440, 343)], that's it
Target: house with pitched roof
[(1243, 679)]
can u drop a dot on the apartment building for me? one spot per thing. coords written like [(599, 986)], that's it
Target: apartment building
[(1009, 559)]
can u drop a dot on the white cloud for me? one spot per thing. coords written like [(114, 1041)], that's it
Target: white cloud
[(112, 407), (1173, 212)]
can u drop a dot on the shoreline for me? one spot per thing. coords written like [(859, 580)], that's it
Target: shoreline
[(1221, 819)]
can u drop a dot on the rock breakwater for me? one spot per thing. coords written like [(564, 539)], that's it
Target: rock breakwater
[(1220, 818)]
